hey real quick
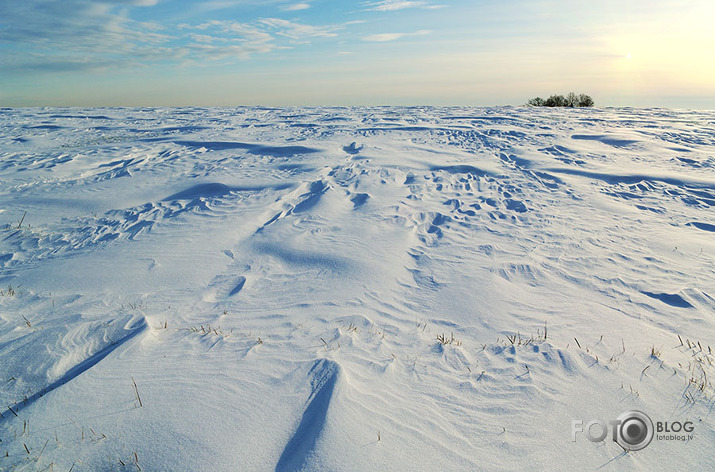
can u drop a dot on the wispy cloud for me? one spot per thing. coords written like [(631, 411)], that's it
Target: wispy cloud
[(297, 7), (219, 30), (140, 3), (299, 31), (386, 37), (74, 34), (213, 5), (393, 5), (82, 35)]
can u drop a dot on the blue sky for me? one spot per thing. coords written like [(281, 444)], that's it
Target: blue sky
[(329, 52)]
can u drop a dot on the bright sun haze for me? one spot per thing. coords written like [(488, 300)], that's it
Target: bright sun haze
[(355, 52)]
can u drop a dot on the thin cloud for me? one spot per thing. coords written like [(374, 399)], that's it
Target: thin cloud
[(386, 37), (205, 38), (213, 5), (231, 30), (393, 5), (222, 40), (74, 24), (139, 3), (201, 52), (83, 35), (299, 31), (297, 7)]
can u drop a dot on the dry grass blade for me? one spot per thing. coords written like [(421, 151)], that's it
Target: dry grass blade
[(136, 392)]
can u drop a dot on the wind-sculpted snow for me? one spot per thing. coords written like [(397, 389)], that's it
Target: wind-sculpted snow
[(72, 345), (370, 288)]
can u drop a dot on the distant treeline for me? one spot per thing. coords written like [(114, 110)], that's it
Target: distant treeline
[(571, 100)]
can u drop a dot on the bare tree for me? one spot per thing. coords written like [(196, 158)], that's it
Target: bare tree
[(555, 101), (585, 101), (571, 100)]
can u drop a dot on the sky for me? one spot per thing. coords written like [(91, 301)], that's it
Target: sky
[(355, 52)]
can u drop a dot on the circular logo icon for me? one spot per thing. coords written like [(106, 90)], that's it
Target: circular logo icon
[(635, 430)]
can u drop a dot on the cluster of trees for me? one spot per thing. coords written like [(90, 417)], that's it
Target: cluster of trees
[(571, 100)]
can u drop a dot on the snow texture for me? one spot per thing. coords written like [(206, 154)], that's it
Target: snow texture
[(353, 288)]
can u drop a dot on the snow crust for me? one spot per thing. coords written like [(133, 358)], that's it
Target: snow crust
[(353, 288)]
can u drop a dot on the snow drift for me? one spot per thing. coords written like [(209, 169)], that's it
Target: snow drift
[(353, 288)]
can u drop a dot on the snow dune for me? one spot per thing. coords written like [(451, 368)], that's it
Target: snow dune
[(353, 288)]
